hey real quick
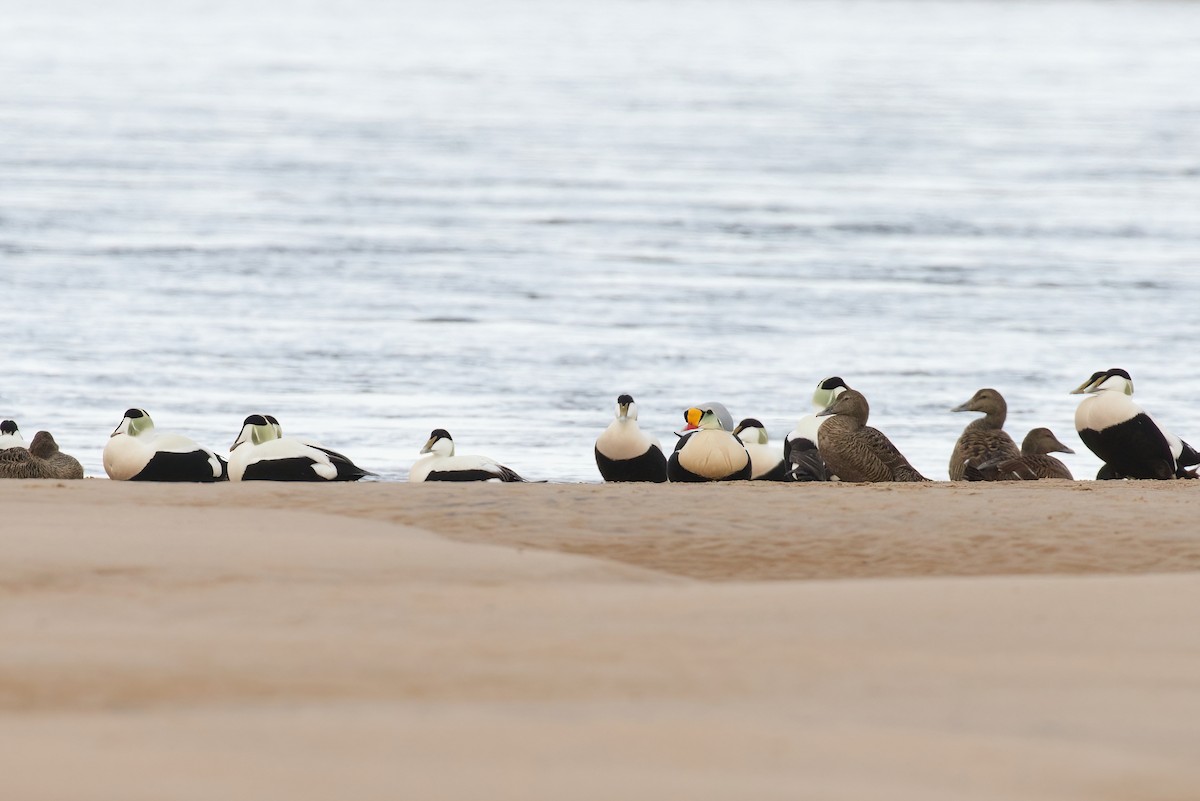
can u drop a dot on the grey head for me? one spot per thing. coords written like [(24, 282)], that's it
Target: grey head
[(721, 412)]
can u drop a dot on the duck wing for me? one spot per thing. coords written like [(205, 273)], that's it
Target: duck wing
[(1046, 466), (346, 469), (897, 467)]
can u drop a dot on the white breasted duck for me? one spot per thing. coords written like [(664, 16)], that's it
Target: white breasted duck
[(801, 447), (706, 451), (261, 453), (1125, 437), (441, 464), (766, 460), (137, 451), (10, 435), (626, 453)]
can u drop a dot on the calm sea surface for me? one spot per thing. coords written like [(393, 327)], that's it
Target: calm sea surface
[(374, 218)]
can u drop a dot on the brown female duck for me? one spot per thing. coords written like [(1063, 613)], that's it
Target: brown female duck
[(42, 459), (1034, 462), (853, 451), (983, 440)]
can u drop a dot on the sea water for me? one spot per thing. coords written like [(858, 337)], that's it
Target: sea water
[(374, 218)]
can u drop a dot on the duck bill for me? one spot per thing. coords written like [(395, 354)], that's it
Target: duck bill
[(1083, 388), (963, 407), (691, 421), (428, 447)]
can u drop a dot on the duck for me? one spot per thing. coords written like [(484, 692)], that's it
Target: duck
[(137, 451), (42, 459), (1035, 461), (983, 440), (706, 451), (854, 451), (10, 435), (1125, 437), (261, 453), (441, 463), (766, 462), (724, 419), (626, 453), (801, 448)]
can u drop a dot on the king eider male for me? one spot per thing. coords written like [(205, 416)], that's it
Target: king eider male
[(260, 453), (707, 452), (983, 440), (854, 451), (1127, 439), (801, 447), (136, 451), (1035, 461), (626, 453), (766, 461), (10, 435), (43, 459), (442, 465)]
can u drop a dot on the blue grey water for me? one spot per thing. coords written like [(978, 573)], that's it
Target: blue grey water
[(374, 218)]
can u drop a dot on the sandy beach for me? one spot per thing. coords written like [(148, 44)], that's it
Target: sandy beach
[(386, 640)]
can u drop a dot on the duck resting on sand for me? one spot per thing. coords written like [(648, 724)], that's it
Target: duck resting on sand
[(42, 459), (1035, 461), (441, 463), (983, 440), (1127, 439), (626, 453), (853, 451), (707, 451)]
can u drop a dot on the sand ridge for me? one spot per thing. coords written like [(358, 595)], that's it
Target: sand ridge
[(756, 531)]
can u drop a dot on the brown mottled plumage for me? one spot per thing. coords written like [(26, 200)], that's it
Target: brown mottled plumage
[(853, 451), (983, 440), (42, 459), (1034, 462)]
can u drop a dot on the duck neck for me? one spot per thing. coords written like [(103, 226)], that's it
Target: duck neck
[(992, 421)]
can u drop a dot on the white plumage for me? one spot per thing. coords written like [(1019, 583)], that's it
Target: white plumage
[(10, 436), (626, 453), (262, 453), (766, 460), (137, 451), (1128, 439), (441, 464)]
